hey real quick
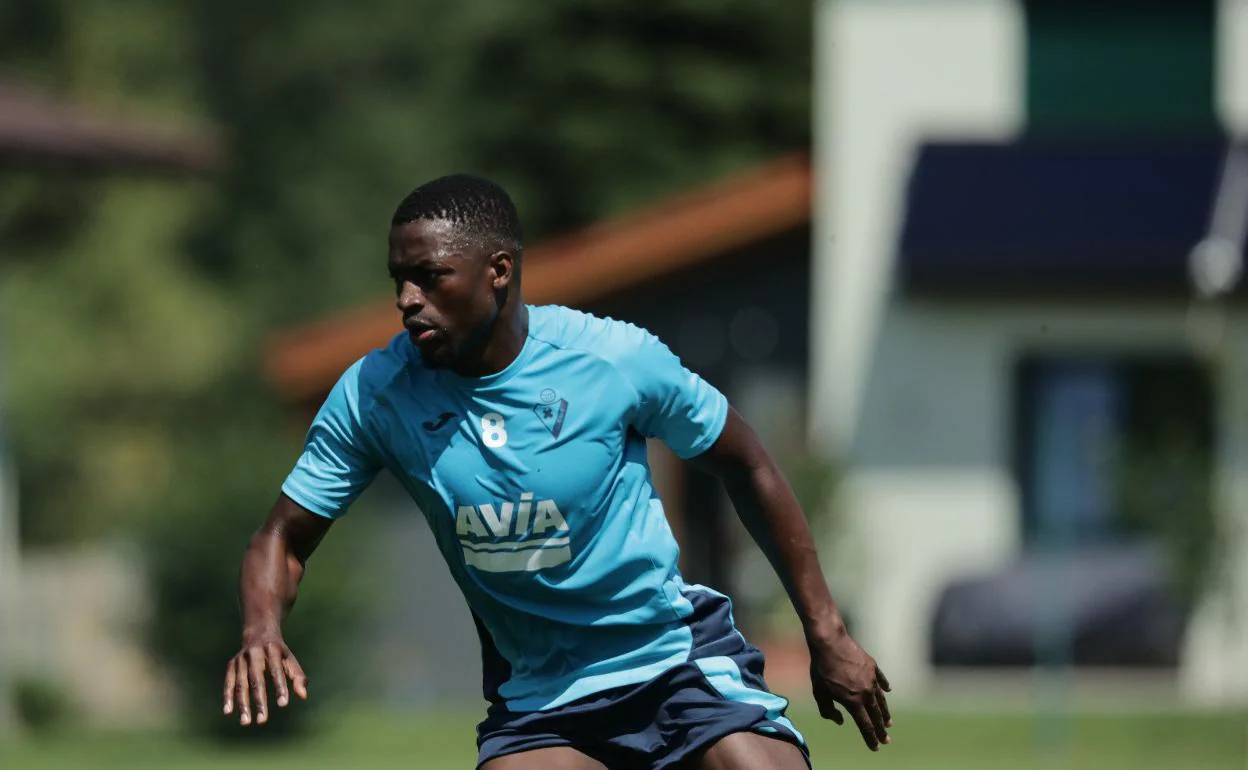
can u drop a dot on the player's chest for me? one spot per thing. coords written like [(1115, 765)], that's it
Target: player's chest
[(550, 441)]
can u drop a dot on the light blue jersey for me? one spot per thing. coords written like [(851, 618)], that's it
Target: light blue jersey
[(536, 485)]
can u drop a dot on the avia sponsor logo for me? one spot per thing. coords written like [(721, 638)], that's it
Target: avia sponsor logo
[(539, 525)]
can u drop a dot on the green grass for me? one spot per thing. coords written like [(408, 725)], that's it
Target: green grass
[(922, 741)]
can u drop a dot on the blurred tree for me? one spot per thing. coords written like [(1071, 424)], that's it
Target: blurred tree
[(330, 120), (1166, 494), (581, 109), (586, 109), (111, 332), (207, 513), (113, 340)]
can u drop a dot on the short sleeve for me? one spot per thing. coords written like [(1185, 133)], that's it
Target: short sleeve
[(337, 463), (675, 405)]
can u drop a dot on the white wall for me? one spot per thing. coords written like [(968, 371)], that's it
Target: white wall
[(889, 74), (1215, 662), (1232, 66)]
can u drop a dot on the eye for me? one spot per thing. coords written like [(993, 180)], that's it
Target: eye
[(425, 279), (429, 279)]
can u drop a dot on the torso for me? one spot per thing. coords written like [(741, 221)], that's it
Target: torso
[(537, 488)]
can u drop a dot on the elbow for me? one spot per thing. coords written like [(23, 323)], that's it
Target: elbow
[(264, 541), (272, 547), (749, 480)]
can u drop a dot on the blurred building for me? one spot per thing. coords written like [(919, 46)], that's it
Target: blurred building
[(721, 275), (1010, 349)]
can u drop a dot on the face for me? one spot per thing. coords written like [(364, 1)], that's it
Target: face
[(449, 289)]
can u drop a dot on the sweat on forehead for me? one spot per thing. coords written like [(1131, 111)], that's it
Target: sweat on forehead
[(439, 238)]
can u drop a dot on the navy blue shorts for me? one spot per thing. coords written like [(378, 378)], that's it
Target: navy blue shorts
[(661, 723)]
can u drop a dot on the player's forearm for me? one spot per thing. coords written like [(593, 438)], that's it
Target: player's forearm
[(770, 511), (268, 583)]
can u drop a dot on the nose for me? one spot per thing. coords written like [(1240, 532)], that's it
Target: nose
[(410, 299)]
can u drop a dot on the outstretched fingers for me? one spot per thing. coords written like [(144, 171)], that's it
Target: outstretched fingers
[(231, 679), (882, 702), (870, 721), (273, 657), (297, 677), (242, 690), (259, 691)]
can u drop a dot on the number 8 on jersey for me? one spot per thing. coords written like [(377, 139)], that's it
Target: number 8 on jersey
[(493, 430)]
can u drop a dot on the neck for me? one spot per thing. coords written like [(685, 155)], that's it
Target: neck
[(502, 345)]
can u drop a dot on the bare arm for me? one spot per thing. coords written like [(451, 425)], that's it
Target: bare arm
[(842, 672), (274, 563), (273, 566), (770, 511)]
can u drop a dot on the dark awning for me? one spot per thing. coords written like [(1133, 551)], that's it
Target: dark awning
[(1053, 217)]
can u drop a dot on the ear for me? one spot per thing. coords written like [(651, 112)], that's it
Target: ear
[(503, 269)]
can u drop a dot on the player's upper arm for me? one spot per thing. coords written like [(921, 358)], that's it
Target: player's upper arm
[(338, 460), (674, 404)]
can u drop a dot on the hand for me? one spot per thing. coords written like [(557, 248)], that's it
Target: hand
[(842, 672), (244, 677)]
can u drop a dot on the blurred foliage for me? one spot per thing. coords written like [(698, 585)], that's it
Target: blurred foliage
[(1166, 494), (110, 335), (580, 109), (43, 705), (814, 478), (591, 108), (194, 548), (111, 345), (135, 308)]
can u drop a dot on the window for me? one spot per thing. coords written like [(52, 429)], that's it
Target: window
[(1109, 447)]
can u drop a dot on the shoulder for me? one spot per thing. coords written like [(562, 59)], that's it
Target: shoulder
[(615, 342), (372, 372)]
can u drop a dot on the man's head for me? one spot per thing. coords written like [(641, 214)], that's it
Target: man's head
[(455, 249)]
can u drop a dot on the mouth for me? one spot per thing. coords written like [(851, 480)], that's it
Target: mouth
[(422, 334)]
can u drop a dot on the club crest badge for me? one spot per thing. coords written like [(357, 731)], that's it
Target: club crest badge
[(551, 411)]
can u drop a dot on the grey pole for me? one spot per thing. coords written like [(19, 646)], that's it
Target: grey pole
[(1216, 268), (9, 556)]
